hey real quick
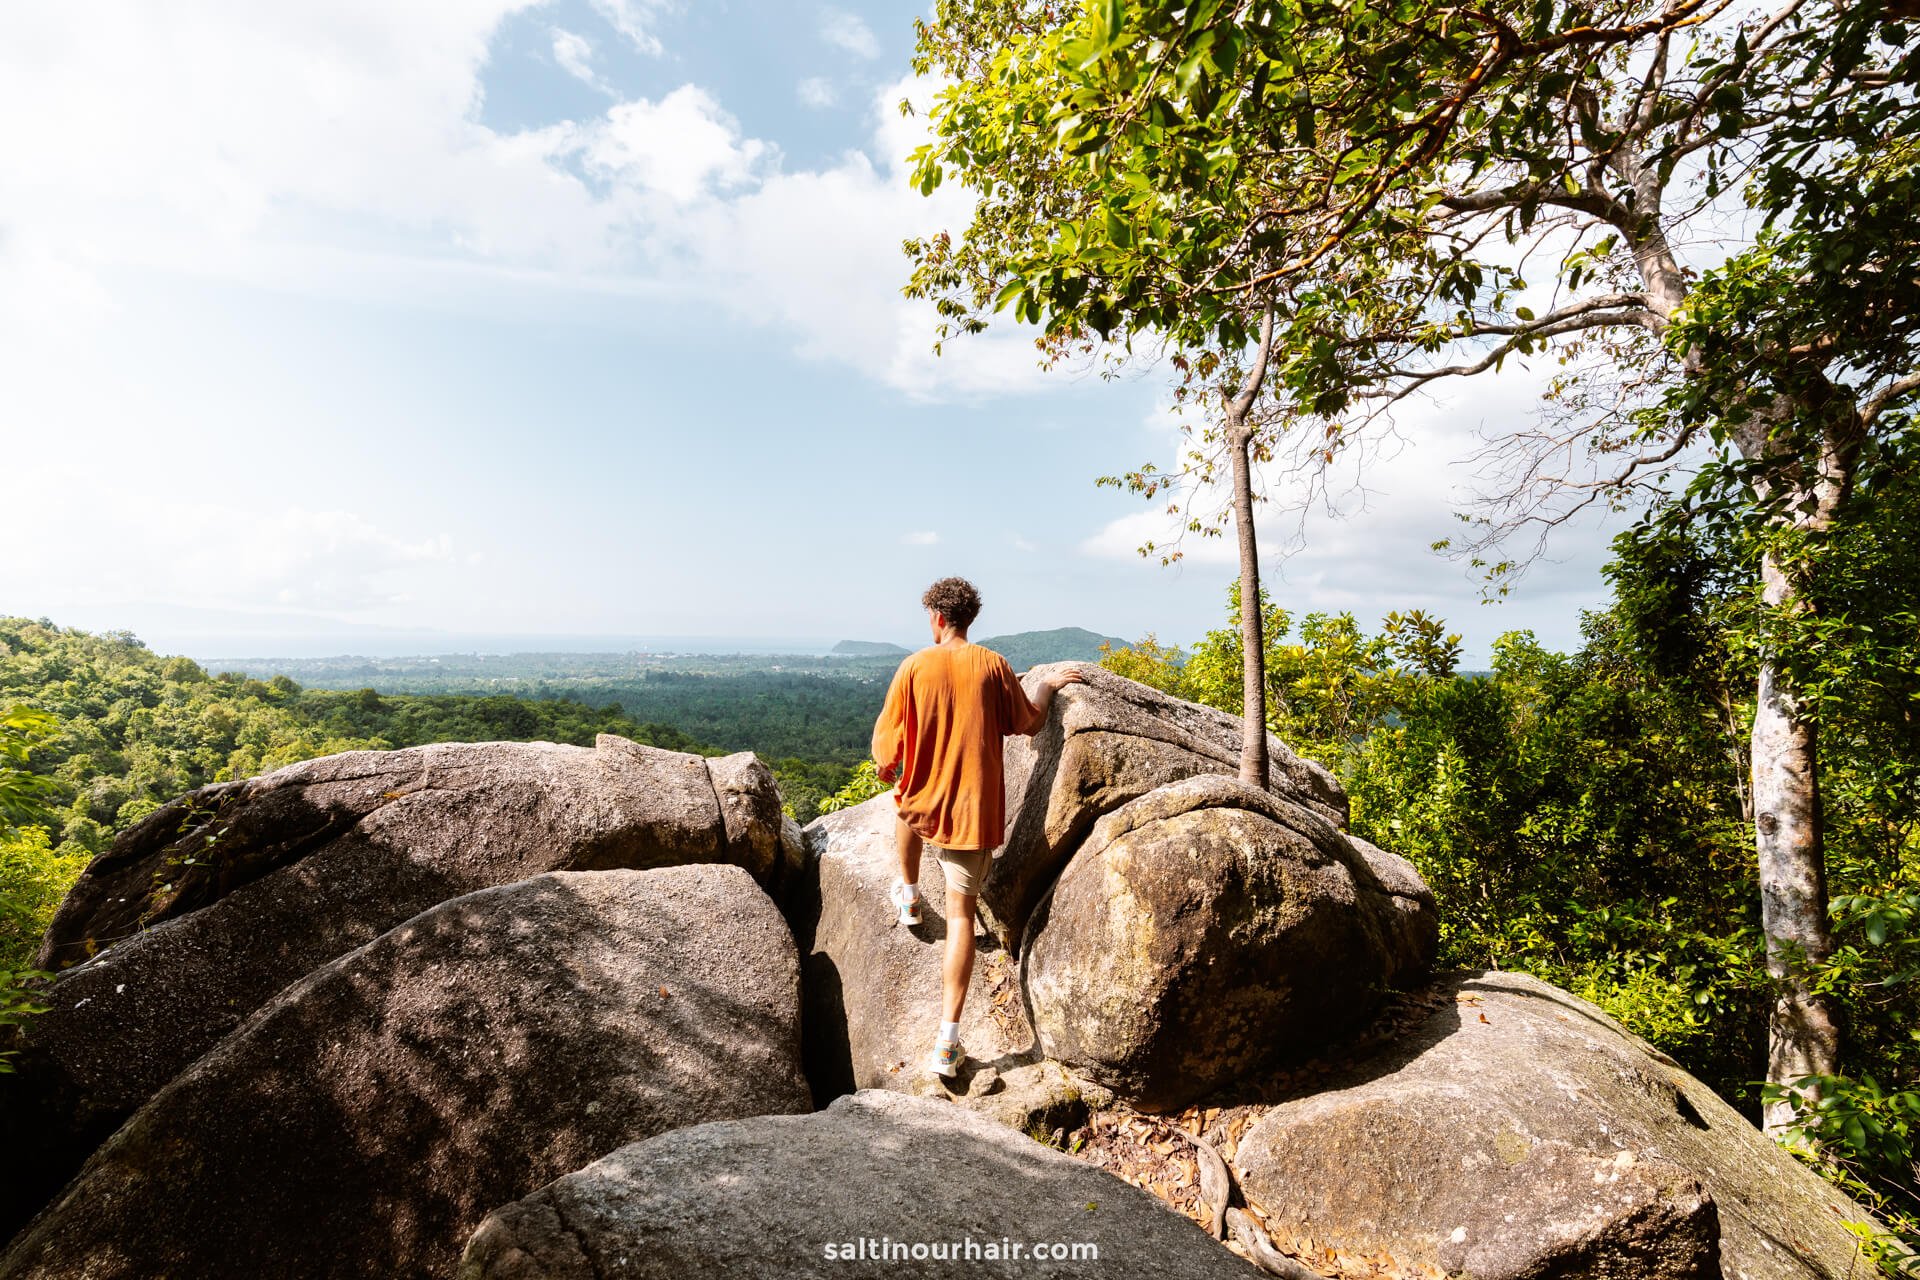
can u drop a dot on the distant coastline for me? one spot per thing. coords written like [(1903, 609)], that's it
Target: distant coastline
[(235, 651)]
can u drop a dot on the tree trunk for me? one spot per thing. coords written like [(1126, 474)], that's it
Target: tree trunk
[(1253, 644), (1803, 1035), (1803, 1030), (1784, 799)]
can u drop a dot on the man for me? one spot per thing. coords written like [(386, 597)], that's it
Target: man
[(939, 736)]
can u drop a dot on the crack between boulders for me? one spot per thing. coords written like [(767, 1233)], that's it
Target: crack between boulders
[(579, 1242), (719, 807)]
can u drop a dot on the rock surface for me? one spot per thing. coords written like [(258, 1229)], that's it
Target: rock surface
[(767, 1197), (1106, 742), (1208, 930), (1039, 1099), (365, 1120), (222, 898), (1520, 1132), (873, 988), (618, 804)]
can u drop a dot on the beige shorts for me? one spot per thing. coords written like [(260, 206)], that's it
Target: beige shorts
[(965, 869)]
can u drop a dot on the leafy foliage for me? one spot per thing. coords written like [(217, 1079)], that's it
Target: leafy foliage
[(1582, 817), (807, 787), (32, 879), (1384, 175), (22, 793), (863, 785)]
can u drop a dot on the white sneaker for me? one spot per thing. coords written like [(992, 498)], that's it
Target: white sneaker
[(946, 1058), (907, 900)]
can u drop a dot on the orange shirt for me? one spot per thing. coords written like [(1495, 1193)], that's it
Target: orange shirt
[(940, 732)]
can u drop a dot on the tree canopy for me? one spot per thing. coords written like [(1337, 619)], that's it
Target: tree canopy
[(1701, 209)]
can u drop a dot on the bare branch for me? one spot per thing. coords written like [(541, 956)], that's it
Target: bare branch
[(1414, 378), (1596, 203), (1704, 91), (1873, 408), (1651, 88)]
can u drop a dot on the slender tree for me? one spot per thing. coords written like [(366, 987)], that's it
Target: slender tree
[(1721, 197), (1253, 647), (1066, 239)]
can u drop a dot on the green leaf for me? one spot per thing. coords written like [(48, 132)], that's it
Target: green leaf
[(1082, 53), (1304, 130)]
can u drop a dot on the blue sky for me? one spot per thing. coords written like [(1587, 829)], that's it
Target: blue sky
[(574, 318)]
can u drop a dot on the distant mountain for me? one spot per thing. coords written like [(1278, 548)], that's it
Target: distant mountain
[(868, 649), (1026, 649)]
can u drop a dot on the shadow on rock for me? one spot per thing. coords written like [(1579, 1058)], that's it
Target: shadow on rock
[(365, 1119), (203, 911)]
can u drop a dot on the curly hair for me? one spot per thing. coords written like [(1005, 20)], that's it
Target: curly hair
[(954, 599)]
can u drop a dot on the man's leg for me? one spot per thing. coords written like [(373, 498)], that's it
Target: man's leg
[(905, 893), (959, 965), (965, 872), (907, 843)]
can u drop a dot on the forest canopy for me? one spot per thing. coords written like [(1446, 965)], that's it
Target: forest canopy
[(129, 729)]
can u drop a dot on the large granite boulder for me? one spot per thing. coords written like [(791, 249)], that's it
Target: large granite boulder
[(617, 804), (1209, 930), (1520, 1132), (1109, 741), (366, 1119), (204, 910), (873, 987), (836, 1193)]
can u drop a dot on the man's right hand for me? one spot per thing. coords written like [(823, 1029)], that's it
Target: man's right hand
[(1052, 683), (1059, 680)]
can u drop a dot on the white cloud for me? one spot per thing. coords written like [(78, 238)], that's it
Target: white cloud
[(634, 19), (684, 146), (1021, 544), (817, 91), (360, 161), (360, 111), (142, 546), (847, 31), (815, 252), (574, 53), (920, 538)]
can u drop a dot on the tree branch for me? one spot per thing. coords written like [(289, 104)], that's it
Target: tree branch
[(1873, 408), (1242, 404), (1543, 328)]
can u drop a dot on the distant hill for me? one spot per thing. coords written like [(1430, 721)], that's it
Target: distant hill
[(868, 648), (1026, 649)]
